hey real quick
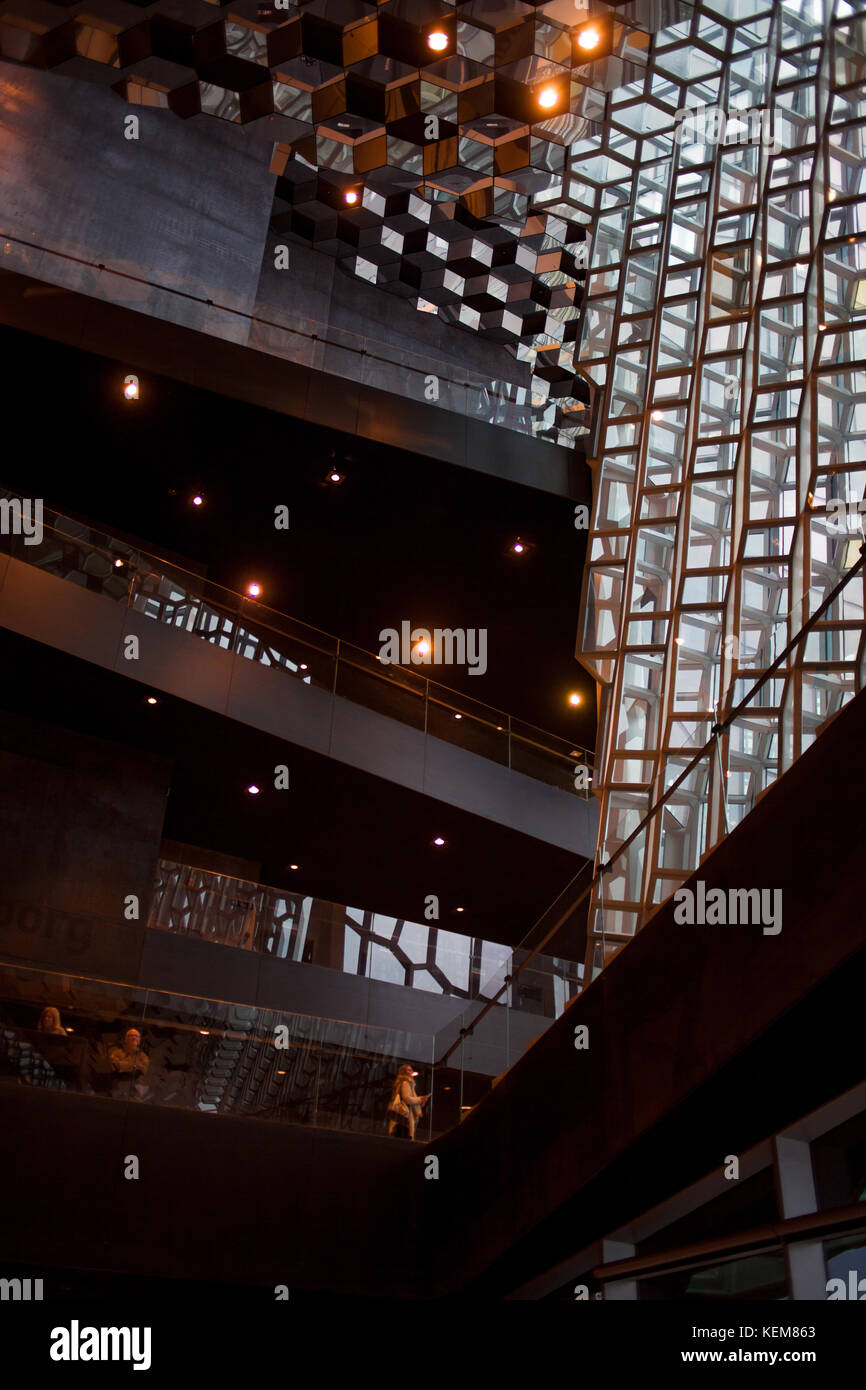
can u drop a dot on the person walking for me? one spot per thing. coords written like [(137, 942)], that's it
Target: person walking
[(405, 1106)]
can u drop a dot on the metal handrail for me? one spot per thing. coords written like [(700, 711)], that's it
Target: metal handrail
[(235, 605)]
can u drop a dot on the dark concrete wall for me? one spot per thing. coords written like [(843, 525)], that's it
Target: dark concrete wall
[(239, 1201), (80, 825)]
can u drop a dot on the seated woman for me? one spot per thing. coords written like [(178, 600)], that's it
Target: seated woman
[(49, 1021)]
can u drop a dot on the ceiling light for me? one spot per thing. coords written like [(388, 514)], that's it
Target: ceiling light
[(197, 500), (350, 196), (574, 698), (130, 388), (548, 97), (118, 564), (151, 699), (437, 39), (205, 1032), (518, 547), (458, 716), (253, 789), (658, 414), (422, 647), (294, 866), (303, 666), (254, 590), (460, 909), (589, 38), (831, 195), (438, 840), (281, 1072)]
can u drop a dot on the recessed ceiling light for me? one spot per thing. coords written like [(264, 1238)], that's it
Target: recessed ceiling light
[(422, 647), (547, 97), (437, 39), (518, 547), (303, 666), (589, 38), (253, 789), (294, 866), (350, 196), (130, 388), (574, 698), (198, 500), (254, 590), (205, 1032), (438, 840), (118, 564), (458, 716), (460, 909), (151, 699)]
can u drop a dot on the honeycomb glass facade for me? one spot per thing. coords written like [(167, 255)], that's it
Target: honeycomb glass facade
[(724, 332)]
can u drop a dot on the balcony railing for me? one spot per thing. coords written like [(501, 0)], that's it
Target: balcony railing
[(180, 599), (228, 911), (209, 1055)]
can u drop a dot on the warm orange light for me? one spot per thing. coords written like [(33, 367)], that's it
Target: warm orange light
[(254, 590), (437, 39), (589, 38), (574, 698), (547, 97), (422, 648), (130, 388), (351, 196)]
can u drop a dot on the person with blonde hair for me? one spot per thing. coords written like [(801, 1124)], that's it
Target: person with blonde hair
[(49, 1021), (405, 1106)]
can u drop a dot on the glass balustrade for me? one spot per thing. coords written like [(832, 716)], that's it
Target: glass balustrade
[(141, 1046), (195, 605)]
